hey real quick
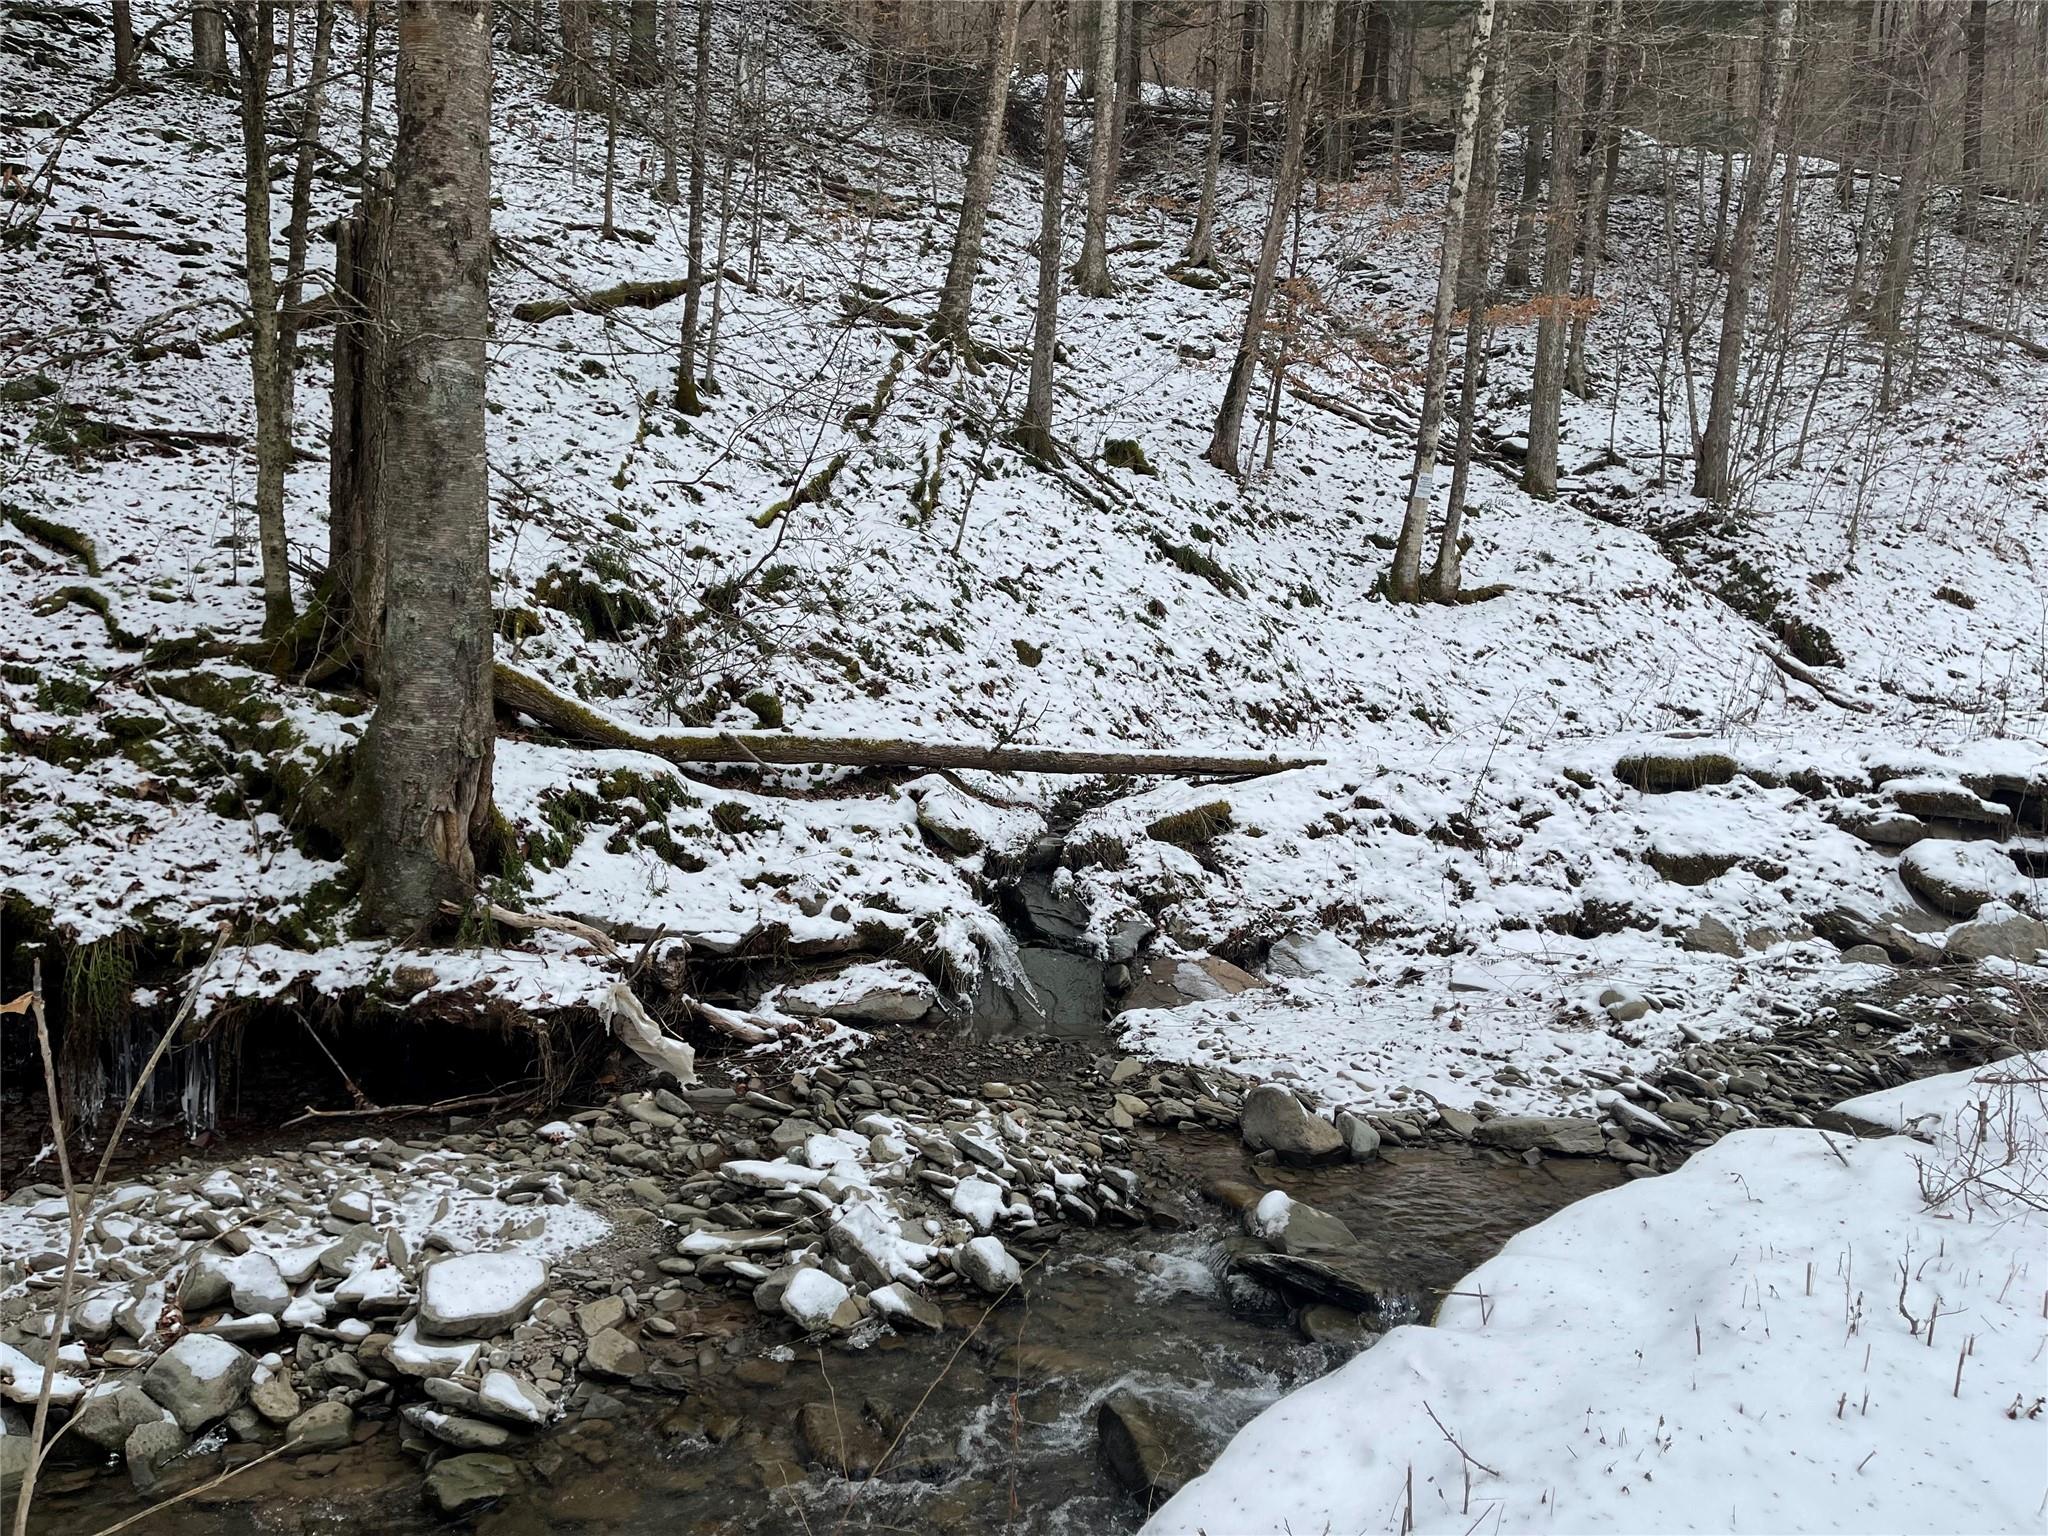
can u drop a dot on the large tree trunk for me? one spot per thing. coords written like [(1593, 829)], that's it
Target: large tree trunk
[(643, 42), (1522, 242), (1448, 571), (430, 744), (209, 42), (1561, 238), (576, 79), (356, 548), (672, 52), (1973, 117), (687, 401), (1201, 251), (124, 42), (1713, 474), (1606, 144), (1251, 27), (1920, 44), (1035, 431), (1405, 583), (254, 24), (956, 299), (1315, 27), (1091, 272)]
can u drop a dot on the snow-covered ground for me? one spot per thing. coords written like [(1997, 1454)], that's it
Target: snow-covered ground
[(1796, 1331)]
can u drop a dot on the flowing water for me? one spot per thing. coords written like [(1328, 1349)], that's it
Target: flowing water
[(998, 1427)]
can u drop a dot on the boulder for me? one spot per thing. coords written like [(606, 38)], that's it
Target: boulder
[(986, 1264), (1711, 936), (1163, 982), (476, 1295), (1956, 879), (112, 1411), (1674, 769), (462, 1484), (1053, 911), (1341, 1280), (149, 1449), (1055, 993), (1273, 1120), (1153, 1445), (839, 1440), (1565, 1134), (200, 1379), (873, 992), (1361, 1138), (904, 1308), (611, 1353), (1286, 1225), (1314, 954), (1997, 932), (1846, 925), (815, 1302), (322, 1427)]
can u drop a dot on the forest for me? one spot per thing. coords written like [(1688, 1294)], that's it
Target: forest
[(1047, 765)]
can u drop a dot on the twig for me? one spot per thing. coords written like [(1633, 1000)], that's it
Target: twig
[(400, 1111), (193, 1493), (1439, 1423)]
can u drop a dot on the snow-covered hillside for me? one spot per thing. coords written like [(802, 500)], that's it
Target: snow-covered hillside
[(846, 542)]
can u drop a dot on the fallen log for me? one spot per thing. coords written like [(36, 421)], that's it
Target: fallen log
[(1798, 670), (530, 696), (638, 295), (2033, 349)]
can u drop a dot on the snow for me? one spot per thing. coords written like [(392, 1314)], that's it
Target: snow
[(979, 1201), (776, 1174), (21, 1380), (811, 1297), (1783, 1335), (425, 1358), (466, 1290)]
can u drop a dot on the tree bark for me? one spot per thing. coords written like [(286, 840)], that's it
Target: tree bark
[(209, 42), (643, 41), (521, 691), (575, 80), (356, 549), (1607, 130), (1561, 235), (1250, 28), (1201, 251), (1315, 27), (430, 743), (1973, 118), (254, 24), (1404, 584), (672, 48), (956, 299), (1919, 151), (124, 42), (1091, 272), (1035, 430), (1713, 475), (1448, 571), (1522, 242), (687, 401)]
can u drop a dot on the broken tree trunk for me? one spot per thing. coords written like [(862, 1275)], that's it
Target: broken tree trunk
[(530, 696), (641, 295)]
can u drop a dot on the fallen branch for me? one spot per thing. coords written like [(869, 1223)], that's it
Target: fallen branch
[(529, 921), (639, 295), (401, 1111), (2033, 349), (530, 696), (1794, 668)]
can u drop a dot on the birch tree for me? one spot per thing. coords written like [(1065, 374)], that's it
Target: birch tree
[(430, 744), (1404, 585)]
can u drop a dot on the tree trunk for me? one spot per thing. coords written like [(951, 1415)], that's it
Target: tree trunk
[(1713, 475), (1919, 151), (576, 81), (1250, 26), (1448, 572), (643, 41), (1091, 272), (430, 743), (209, 42), (1561, 238), (956, 299), (1522, 242), (672, 45), (1405, 583), (687, 401), (1607, 129), (1201, 251), (356, 548), (608, 228), (124, 42), (1973, 118), (254, 24), (1035, 431), (1315, 27)]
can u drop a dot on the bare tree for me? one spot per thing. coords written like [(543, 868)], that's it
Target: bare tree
[(1712, 475), (1973, 117), (1091, 272), (643, 41), (1201, 251), (1313, 19), (430, 744), (998, 58), (1034, 432), (687, 400), (1404, 584), (124, 42), (209, 42), (1606, 148), (1561, 234), (1522, 241), (575, 80), (672, 53)]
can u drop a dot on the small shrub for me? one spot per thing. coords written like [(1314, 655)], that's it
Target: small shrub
[(1127, 453), (1194, 826), (1031, 655), (1956, 596)]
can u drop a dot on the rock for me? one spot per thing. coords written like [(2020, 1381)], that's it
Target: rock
[(458, 1430), (513, 1399), (1565, 1134), (1461, 1123), (1286, 1225), (1054, 913), (839, 1440), (611, 1353), (1344, 1281), (1162, 982), (986, 1264), (1058, 994), (1336, 1327), (873, 992), (411, 1355), (462, 1484), (205, 1284), (1361, 1140), (815, 1302), (1997, 932), (273, 1397), (1154, 1446), (1865, 954), (1846, 925), (475, 1295), (149, 1449), (1125, 939), (1674, 769), (111, 1412), (1273, 1120), (1314, 954), (905, 1308), (322, 1427), (1711, 936), (200, 1379), (594, 1317), (1956, 878)]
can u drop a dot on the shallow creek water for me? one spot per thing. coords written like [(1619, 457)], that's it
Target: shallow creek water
[(998, 1429)]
